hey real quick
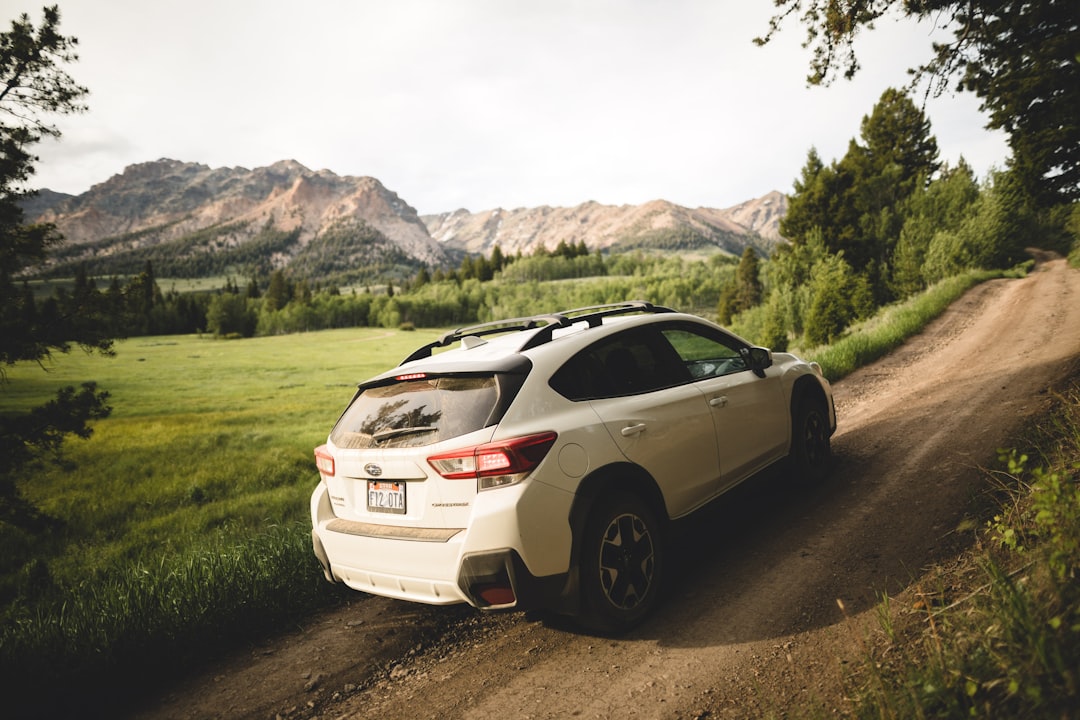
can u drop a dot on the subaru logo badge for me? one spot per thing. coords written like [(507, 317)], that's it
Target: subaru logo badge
[(373, 470)]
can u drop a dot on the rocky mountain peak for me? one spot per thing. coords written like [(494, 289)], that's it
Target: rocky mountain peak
[(761, 215), (176, 198)]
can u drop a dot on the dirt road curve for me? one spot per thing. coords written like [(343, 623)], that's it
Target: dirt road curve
[(751, 625)]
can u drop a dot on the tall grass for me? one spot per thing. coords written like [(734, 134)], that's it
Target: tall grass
[(998, 636), (134, 625)]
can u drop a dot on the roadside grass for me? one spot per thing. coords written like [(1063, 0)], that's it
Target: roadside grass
[(997, 634)]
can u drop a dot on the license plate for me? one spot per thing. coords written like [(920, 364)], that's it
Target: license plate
[(386, 497)]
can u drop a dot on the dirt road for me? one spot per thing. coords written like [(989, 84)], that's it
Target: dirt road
[(751, 626)]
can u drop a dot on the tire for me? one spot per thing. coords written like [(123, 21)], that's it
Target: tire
[(811, 448), (622, 564)]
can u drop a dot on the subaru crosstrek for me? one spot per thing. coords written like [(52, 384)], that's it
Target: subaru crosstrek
[(540, 462)]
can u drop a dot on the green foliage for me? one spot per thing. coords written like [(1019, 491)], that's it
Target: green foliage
[(939, 207), (206, 252), (991, 233), (857, 203), (278, 293), (231, 314), (33, 86), (42, 430), (1026, 71), (746, 290), (789, 279), (1048, 518), (1072, 227), (150, 621), (1020, 59), (545, 268), (882, 224), (838, 298), (349, 251), (1009, 646)]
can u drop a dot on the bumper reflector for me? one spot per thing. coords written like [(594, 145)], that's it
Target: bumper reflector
[(495, 594)]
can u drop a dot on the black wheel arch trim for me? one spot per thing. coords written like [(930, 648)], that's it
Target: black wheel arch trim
[(623, 476), (808, 387)]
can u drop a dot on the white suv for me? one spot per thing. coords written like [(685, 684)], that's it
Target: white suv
[(540, 462)]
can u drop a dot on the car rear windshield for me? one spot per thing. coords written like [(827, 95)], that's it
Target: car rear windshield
[(417, 412)]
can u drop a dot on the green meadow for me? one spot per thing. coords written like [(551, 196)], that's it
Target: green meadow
[(205, 435), (180, 526)]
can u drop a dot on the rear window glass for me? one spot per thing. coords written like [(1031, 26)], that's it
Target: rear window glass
[(416, 412)]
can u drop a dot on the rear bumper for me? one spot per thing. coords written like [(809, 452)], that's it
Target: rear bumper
[(442, 567)]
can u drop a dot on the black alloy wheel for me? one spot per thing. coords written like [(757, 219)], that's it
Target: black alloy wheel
[(622, 564), (811, 447)]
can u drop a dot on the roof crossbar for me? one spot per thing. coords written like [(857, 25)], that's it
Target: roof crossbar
[(548, 322)]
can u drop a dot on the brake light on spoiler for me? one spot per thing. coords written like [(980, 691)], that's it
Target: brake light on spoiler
[(495, 464)]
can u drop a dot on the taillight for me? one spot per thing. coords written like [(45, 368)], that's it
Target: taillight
[(495, 464), (324, 461)]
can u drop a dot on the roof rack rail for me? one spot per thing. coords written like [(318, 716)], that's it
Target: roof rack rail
[(593, 315), (549, 322)]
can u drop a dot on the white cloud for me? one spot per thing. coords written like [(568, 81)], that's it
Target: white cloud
[(479, 103)]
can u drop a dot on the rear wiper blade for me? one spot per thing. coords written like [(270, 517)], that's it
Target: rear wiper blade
[(398, 432)]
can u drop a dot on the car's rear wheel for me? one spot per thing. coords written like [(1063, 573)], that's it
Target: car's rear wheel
[(811, 449), (622, 563)]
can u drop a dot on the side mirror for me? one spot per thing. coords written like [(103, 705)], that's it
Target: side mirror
[(759, 359)]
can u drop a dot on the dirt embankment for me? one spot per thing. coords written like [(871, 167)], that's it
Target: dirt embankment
[(751, 625)]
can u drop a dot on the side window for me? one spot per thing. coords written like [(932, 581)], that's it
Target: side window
[(705, 354), (630, 363)]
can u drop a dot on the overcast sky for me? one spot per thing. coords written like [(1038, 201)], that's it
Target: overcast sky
[(479, 104)]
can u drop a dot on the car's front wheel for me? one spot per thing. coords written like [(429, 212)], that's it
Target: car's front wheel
[(621, 565), (811, 449)]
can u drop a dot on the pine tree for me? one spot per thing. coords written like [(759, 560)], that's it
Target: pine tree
[(1019, 58), (33, 87)]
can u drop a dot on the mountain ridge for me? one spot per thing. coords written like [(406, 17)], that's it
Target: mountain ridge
[(194, 218), (605, 227)]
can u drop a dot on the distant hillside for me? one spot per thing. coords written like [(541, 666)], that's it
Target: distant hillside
[(191, 220), (658, 225)]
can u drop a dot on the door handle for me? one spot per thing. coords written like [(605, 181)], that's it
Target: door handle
[(719, 401), (633, 430)]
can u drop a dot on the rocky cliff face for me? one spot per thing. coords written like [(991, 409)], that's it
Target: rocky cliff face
[(166, 200), (761, 215)]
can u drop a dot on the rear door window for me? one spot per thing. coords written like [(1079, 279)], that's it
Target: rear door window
[(417, 412), (630, 363)]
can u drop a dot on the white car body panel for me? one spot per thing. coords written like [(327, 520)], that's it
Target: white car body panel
[(694, 440), (670, 433)]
